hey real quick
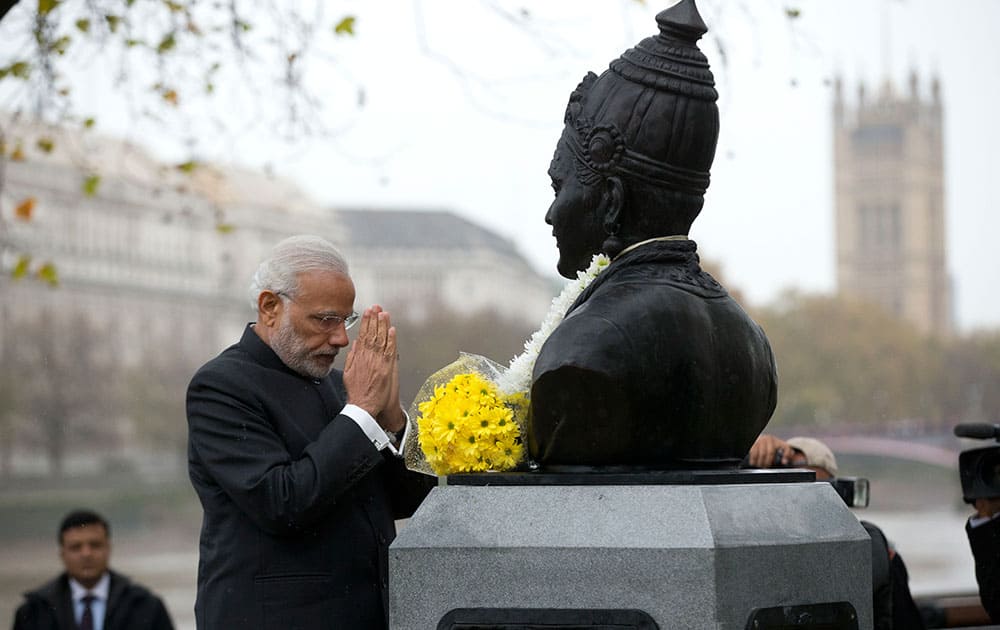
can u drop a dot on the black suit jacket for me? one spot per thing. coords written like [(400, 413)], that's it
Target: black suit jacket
[(298, 503), (130, 606), (985, 543)]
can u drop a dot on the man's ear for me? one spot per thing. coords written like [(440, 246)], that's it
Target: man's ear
[(268, 307), (613, 198)]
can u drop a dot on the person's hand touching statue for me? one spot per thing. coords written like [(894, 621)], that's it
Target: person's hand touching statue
[(371, 371)]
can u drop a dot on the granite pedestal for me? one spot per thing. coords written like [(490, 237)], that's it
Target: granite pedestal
[(688, 555)]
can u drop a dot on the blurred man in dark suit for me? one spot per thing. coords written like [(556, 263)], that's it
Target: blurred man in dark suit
[(89, 596)]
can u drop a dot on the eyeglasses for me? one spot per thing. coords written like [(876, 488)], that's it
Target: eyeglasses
[(327, 322)]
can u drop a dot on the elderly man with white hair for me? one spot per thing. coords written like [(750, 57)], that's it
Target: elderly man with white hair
[(297, 465)]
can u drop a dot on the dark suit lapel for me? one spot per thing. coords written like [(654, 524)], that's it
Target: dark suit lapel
[(331, 399), (64, 603), (116, 590)]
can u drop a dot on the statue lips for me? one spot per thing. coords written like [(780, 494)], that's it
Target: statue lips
[(559, 242)]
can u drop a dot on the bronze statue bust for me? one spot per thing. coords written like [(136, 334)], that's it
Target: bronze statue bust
[(655, 366)]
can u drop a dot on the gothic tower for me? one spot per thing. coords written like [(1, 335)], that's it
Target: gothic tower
[(889, 187)]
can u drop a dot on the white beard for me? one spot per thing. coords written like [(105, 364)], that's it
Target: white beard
[(293, 351)]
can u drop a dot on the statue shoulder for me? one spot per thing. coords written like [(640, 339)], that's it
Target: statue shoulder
[(591, 338)]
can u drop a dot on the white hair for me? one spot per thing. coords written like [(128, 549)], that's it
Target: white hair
[(279, 272)]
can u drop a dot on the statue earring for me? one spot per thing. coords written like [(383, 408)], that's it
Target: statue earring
[(612, 245)]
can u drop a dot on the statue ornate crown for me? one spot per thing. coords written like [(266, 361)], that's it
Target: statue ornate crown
[(667, 65)]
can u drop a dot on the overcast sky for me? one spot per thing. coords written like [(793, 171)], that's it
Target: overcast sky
[(463, 102), (437, 139)]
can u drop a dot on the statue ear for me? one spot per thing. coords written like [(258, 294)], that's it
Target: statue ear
[(613, 200)]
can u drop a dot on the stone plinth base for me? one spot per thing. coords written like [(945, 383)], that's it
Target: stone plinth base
[(689, 556)]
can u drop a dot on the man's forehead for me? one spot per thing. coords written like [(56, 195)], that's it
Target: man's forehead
[(323, 281), (90, 530)]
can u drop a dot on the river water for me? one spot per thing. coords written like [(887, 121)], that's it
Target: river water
[(934, 546)]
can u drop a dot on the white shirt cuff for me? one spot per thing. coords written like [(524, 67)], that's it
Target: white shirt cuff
[(373, 431), (406, 433)]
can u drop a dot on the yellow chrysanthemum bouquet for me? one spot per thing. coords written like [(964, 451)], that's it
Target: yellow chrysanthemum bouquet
[(464, 423), (472, 415)]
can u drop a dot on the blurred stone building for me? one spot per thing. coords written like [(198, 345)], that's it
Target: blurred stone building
[(421, 261), (890, 214), (153, 271)]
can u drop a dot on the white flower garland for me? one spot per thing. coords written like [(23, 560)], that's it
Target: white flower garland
[(517, 377)]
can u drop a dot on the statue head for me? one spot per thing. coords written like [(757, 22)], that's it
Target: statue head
[(638, 143)]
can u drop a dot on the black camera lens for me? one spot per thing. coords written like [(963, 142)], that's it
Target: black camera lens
[(989, 470), (979, 470), (853, 490)]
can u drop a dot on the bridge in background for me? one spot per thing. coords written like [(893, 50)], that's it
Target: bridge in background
[(937, 455)]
